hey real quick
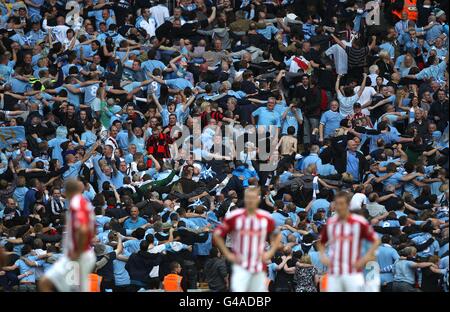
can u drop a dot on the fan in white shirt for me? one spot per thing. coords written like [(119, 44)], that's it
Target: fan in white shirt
[(365, 97), (374, 72), (59, 31), (359, 199), (160, 13), (148, 23)]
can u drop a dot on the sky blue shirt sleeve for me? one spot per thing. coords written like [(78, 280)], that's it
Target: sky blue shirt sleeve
[(256, 112)]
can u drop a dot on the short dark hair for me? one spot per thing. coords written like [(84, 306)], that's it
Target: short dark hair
[(150, 238), (174, 265), (143, 246), (386, 239), (26, 249), (214, 252), (291, 130)]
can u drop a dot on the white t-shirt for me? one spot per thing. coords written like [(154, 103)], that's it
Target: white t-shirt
[(96, 106), (160, 13), (365, 97), (149, 26), (357, 201), (373, 79), (59, 31), (340, 57), (346, 104)]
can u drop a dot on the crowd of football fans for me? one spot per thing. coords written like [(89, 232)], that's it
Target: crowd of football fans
[(345, 95)]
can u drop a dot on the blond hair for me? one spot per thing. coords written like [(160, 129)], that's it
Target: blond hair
[(305, 259), (384, 54), (204, 106)]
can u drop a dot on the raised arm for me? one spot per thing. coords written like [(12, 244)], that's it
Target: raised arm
[(92, 151), (212, 17), (373, 44), (157, 79), (158, 105), (188, 103), (337, 86), (173, 62), (338, 41), (363, 85)]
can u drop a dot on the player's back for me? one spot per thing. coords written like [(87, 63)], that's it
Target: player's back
[(80, 215)]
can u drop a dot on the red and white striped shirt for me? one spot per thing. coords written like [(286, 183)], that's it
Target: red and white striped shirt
[(344, 238), (249, 234), (80, 213)]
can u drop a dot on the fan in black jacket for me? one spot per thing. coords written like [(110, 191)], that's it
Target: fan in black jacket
[(341, 160), (140, 264)]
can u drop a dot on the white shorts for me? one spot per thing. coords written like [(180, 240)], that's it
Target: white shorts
[(346, 283), (244, 281), (72, 276)]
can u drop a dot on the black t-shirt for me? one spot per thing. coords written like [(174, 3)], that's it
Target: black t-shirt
[(245, 112), (431, 281), (11, 259), (283, 280), (189, 185), (9, 103), (326, 79), (116, 213), (391, 203), (150, 209), (302, 94), (380, 110), (107, 272), (248, 87), (122, 7), (357, 57), (312, 55), (257, 40)]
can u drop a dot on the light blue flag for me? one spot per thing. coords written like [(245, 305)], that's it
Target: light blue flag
[(11, 135)]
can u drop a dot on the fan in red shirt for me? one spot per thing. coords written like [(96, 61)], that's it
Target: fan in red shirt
[(70, 272), (344, 233), (158, 144), (249, 229)]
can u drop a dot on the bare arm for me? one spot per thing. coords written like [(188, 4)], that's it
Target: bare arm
[(336, 88), (422, 265), (158, 80), (363, 85), (338, 41), (158, 105), (373, 44), (188, 102)]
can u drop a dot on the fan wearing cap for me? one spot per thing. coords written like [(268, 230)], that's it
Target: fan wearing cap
[(358, 117)]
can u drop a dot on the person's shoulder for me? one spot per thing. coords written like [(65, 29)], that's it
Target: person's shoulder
[(332, 220), (79, 202), (235, 213)]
